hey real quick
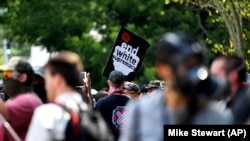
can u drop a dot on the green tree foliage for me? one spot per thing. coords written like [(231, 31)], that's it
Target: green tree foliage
[(229, 16), (61, 24)]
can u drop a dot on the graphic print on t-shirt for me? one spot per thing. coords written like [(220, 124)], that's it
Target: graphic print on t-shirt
[(118, 116)]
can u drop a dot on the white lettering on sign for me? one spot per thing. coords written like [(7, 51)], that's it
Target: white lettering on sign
[(125, 58)]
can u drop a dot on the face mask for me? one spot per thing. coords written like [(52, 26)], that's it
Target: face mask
[(190, 82), (225, 86)]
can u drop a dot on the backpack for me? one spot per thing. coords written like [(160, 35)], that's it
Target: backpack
[(87, 125)]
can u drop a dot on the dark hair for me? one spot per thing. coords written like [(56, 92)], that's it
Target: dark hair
[(174, 47), (116, 78), (24, 67), (177, 49), (67, 70), (235, 63), (105, 89), (143, 88), (100, 95)]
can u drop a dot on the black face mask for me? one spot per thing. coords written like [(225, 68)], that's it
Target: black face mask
[(227, 86), (40, 91), (189, 82), (13, 87), (191, 85)]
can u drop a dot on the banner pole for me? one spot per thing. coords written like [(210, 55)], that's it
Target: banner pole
[(9, 128)]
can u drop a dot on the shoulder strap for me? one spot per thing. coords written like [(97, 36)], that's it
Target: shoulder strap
[(74, 119)]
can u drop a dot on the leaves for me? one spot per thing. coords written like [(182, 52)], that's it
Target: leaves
[(66, 25), (229, 15)]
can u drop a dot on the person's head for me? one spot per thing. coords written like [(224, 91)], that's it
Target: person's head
[(62, 74), (17, 76), (218, 67), (232, 68), (235, 70), (180, 61), (143, 89), (105, 89), (131, 89), (153, 84), (116, 79), (100, 94)]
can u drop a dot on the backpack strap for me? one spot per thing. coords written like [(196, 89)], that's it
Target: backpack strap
[(74, 119)]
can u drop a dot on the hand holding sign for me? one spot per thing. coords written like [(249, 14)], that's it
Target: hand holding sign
[(127, 54)]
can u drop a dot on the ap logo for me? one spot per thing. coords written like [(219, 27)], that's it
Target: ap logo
[(118, 116)]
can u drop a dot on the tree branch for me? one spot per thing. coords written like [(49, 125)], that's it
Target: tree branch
[(201, 4), (236, 19), (227, 19), (204, 31)]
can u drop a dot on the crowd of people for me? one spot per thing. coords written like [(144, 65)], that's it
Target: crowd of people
[(189, 91)]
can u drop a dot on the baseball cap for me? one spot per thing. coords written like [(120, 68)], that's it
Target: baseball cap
[(19, 64), (154, 84), (132, 86), (116, 77)]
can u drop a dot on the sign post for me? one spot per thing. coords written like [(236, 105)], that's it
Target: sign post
[(127, 54)]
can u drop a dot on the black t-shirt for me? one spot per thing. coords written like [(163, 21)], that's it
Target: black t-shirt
[(241, 106), (242, 110), (240, 93), (112, 108)]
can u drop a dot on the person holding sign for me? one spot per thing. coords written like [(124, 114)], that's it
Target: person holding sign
[(180, 62), (112, 107)]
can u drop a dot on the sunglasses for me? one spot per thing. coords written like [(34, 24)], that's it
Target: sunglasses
[(9, 74)]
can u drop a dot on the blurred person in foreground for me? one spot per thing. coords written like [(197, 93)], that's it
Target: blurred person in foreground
[(233, 69), (112, 107), (180, 62), (19, 108), (62, 75)]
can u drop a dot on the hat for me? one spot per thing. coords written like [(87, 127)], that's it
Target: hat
[(21, 65), (132, 86), (154, 84), (144, 88), (17, 63), (116, 77)]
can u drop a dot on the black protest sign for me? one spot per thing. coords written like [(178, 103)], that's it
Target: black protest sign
[(127, 54)]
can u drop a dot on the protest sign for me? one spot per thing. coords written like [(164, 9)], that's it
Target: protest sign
[(127, 54)]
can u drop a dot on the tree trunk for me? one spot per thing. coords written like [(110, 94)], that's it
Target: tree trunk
[(233, 25), (239, 48)]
